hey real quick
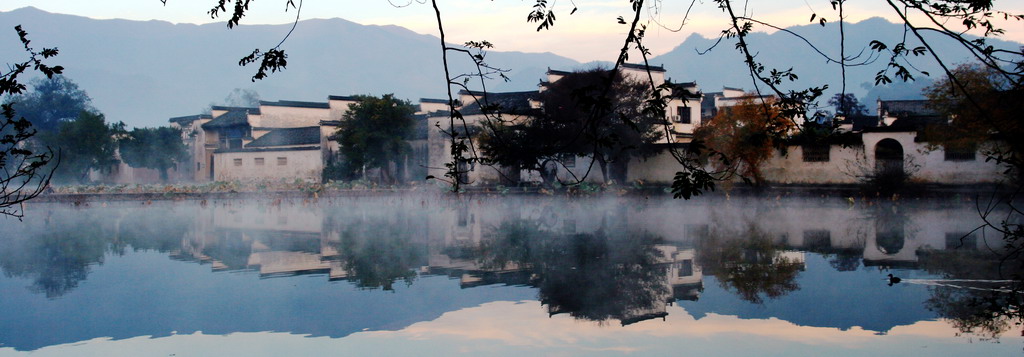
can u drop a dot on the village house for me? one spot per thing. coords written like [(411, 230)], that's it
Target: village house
[(893, 140), (683, 117), (289, 140), (277, 140)]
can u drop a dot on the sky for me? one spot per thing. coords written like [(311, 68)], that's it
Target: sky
[(591, 33)]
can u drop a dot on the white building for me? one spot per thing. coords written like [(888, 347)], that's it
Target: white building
[(278, 140)]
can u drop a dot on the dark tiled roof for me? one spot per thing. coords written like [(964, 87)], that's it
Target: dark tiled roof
[(906, 108), (233, 117), (683, 90), (189, 118), (432, 100), (224, 108), (911, 115), (561, 73), (343, 97), (732, 88), (640, 66), (507, 103), (765, 96), (860, 122), (296, 104), (288, 137), (270, 149)]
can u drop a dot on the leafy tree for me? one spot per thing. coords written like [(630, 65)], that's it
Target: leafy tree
[(573, 122), (611, 126), (847, 105), (153, 148), (85, 143), (23, 170), (982, 104), (373, 134), (51, 102), (746, 136), (520, 146)]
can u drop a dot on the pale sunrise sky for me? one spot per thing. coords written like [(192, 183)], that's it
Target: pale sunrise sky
[(590, 34)]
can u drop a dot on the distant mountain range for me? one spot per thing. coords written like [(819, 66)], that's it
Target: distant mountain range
[(723, 64), (144, 72)]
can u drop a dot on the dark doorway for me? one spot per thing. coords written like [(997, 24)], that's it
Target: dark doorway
[(889, 156)]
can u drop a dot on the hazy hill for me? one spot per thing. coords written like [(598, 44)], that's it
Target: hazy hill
[(723, 64), (144, 72)]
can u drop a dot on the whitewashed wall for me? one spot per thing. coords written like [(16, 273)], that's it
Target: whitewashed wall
[(790, 168), (272, 116), (301, 164), (933, 166)]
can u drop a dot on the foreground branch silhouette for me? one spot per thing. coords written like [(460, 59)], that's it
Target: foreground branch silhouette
[(24, 173)]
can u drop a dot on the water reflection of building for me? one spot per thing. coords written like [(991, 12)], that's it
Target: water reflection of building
[(886, 235), (457, 238)]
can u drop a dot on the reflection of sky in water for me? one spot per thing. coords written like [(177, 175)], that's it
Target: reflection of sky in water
[(827, 299), (180, 307), (148, 294), (522, 328)]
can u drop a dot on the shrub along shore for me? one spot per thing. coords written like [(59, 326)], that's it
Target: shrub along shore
[(304, 190)]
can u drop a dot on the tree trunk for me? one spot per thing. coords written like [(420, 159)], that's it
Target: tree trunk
[(618, 170), (603, 164), (548, 173)]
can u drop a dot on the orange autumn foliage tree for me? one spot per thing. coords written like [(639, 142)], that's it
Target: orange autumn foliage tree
[(744, 136)]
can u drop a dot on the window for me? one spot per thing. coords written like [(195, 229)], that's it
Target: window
[(686, 268), (281, 161), (568, 160), (684, 115), (816, 153), (238, 162), (959, 152), (199, 166), (259, 161)]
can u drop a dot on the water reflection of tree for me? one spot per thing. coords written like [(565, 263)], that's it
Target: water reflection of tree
[(607, 274), (57, 254), (600, 276), (974, 305), (748, 263), (57, 251), (376, 252)]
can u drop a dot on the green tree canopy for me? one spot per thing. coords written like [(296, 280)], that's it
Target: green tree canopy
[(153, 148), (373, 134), (85, 143), (51, 101), (847, 105), (983, 105), (580, 118)]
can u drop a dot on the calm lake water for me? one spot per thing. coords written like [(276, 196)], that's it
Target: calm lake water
[(503, 276)]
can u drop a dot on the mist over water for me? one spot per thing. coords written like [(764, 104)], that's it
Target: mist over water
[(409, 269)]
